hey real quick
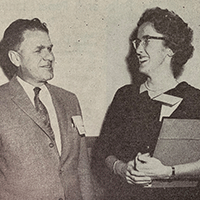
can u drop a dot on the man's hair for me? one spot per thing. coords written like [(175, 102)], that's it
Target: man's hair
[(12, 39), (178, 36)]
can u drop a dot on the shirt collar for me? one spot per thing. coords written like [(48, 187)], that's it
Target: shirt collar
[(28, 88), (159, 95)]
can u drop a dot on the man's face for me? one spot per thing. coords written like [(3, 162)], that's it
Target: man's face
[(36, 57)]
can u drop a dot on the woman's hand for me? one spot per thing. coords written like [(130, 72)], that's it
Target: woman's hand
[(128, 172), (152, 167), (136, 177)]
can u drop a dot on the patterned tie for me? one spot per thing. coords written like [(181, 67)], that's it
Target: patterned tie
[(42, 111)]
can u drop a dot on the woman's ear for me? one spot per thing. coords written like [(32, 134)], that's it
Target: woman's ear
[(170, 53), (14, 57)]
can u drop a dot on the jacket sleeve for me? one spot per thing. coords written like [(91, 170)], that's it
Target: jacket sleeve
[(109, 137), (85, 173)]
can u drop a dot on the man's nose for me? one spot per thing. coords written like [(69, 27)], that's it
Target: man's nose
[(48, 56)]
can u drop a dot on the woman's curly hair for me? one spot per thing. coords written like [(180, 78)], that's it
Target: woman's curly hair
[(178, 35)]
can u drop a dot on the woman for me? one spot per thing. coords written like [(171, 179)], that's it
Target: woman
[(122, 157)]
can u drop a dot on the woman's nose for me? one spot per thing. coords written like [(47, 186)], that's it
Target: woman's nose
[(140, 48)]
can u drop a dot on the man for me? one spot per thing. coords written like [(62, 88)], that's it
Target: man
[(42, 146)]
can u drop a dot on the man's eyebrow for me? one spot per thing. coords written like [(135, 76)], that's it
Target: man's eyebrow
[(40, 47)]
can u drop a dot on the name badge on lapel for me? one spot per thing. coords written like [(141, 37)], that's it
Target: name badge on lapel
[(77, 122)]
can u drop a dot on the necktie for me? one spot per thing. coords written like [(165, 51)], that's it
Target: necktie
[(42, 111)]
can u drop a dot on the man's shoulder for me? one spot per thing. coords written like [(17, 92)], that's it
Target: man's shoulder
[(5, 96), (4, 87), (60, 91)]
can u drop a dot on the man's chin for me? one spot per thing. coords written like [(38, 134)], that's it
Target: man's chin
[(49, 77)]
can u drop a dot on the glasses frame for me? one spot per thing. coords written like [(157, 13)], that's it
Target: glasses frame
[(144, 41)]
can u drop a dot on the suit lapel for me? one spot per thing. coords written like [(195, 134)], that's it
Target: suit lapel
[(63, 112), (21, 99)]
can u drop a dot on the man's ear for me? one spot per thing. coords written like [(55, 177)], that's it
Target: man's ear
[(14, 58), (170, 53)]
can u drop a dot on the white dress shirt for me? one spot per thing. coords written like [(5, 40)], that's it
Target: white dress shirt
[(46, 99)]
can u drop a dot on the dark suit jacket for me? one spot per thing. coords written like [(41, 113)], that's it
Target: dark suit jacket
[(30, 166)]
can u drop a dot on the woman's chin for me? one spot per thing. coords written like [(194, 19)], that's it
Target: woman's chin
[(143, 69)]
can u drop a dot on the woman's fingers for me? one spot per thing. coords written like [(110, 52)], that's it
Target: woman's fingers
[(136, 177)]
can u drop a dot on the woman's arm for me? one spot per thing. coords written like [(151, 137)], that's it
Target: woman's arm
[(127, 171), (189, 169), (152, 167)]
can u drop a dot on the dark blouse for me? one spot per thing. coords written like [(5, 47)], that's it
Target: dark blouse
[(132, 125)]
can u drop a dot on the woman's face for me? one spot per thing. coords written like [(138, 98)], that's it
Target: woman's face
[(152, 54)]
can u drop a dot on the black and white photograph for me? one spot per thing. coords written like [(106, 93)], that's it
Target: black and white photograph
[(100, 100)]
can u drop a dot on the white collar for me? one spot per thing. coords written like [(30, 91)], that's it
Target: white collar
[(159, 95), (28, 88)]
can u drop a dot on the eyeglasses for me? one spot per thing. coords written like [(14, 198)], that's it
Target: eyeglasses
[(145, 41)]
